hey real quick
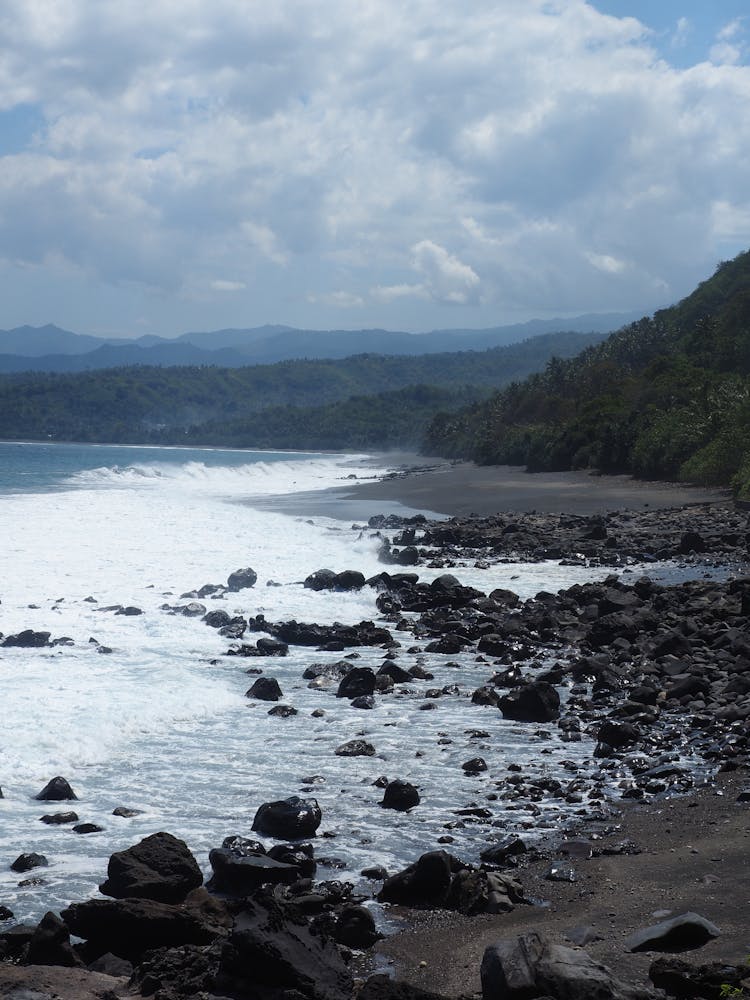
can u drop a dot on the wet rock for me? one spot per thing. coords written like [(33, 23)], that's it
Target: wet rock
[(58, 819), (83, 828), (56, 790), (534, 702), (426, 883), (288, 819), (27, 862), (400, 795), (326, 579), (283, 711), (358, 682), (355, 928), (355, 748), (28, 639), (474, 766), (241, 579), (126, 813), (681, 933), (265, 689), (160, 867)]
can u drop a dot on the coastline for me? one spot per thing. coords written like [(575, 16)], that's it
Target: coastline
[(442, 488), (692, 856)]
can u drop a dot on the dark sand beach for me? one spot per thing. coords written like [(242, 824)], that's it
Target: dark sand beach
[(437, 486)]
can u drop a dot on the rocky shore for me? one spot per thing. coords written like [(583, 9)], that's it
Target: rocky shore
[(640, 892)]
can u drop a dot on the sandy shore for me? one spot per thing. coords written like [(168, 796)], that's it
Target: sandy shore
[(438, 487), (695, 856)]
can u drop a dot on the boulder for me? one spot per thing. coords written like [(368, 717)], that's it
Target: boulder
[(681, 933), (426, 883), (355, 927), (358, 683), (355, 748), (714, 980), (534, 702), (58, 819), (272, 953), (159, 867), (27, 862), (129, 927), (56, 790), (51, 945), (241, 579), (238, 874), (530, 966), (288, 819), (27, 639), (265, 689), (400, 795)]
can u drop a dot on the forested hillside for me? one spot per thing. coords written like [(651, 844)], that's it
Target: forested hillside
[(666, 397), (291, 404)]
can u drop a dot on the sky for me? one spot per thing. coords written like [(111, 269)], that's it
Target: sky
[(408, 164)]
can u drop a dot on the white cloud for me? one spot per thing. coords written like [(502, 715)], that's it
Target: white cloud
[(308, 146), (222, 285), (340, 299)]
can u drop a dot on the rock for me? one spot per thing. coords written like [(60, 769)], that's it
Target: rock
[(239, 875), (400, 795), (57, 819), (5, 913), (685, 931), (534, 702), (283, 711), (265, 689), (355, 928), (267, 646), (28, 639), (498, 854), (288, 819), (126, 813), (357, 683), (322, 579), (159, 867), (365, 702), (326, 579), (129, 927), (51, 945), (530, 966), (714, 980), (426, 883), (178, 972), (474, 766), (618, 734), (27, 862), (383, 987), (355, 748), (87, 828), (272, 953), (56, 790), (241, 579)]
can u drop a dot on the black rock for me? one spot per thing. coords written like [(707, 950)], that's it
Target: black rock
[(400, 795), (57, 819), (288, 819), (426, 883), (27, 862), (534, 702), (238, 874), (357, 683), (50, 944), (355, 748), (27, 639), (56, 790), (355, 928), (681, 933), (241, 579), (159, 867), (265, 689)]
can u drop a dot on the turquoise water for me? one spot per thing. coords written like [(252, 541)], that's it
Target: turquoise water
[(28, 467)]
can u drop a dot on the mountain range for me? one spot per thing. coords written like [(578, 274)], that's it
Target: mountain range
[(52, 349)]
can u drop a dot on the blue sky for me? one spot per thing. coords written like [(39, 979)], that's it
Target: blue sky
[(174, 166)]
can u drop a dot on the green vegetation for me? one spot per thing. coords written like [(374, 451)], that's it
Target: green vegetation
[(663, 398), (368, 400)]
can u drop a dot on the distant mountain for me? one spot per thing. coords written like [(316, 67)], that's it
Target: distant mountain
[(52, 349), (666, 397), (320, 400)]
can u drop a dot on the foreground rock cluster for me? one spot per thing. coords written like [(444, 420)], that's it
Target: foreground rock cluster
[(658, 676)]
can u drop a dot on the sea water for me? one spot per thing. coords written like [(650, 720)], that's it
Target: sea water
[(162, 724)]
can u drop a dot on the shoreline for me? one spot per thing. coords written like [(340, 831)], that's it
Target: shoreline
[(692, 856), (439, 488)]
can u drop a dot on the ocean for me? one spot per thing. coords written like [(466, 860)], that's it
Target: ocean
[(161, 724)]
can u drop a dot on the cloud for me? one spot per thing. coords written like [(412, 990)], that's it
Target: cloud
[(526, 156), (222, 285), (340, 299)]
